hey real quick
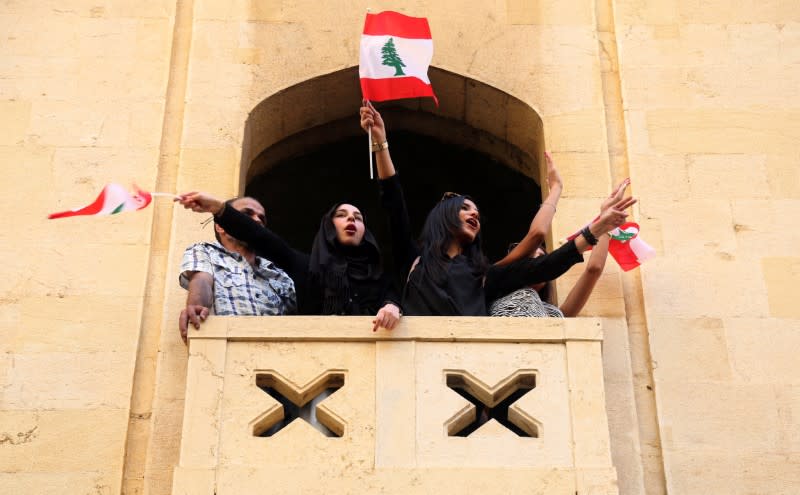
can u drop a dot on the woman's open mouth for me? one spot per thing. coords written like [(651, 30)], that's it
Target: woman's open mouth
[(350, 229), (472, 223)]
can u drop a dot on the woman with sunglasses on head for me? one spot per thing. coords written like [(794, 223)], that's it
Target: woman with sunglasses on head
[(448, 275), (533, 300), (343, 274)]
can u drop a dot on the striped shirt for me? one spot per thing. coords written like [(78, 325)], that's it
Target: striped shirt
[(239, 288)]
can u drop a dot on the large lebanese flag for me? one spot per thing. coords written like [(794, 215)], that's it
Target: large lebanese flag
[(396, 51)]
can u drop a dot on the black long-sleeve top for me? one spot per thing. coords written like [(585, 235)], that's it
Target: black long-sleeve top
[(463, 293), (367, 296)]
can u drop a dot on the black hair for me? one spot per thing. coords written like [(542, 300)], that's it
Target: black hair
[(440, 230), (332, 265)]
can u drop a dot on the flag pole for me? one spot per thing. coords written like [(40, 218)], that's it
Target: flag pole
[(369, 137), (369, 134)]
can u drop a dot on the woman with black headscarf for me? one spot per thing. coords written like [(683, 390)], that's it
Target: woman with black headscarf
[(343, 275)]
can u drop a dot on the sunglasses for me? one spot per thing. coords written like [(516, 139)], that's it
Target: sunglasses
[(449, 195)]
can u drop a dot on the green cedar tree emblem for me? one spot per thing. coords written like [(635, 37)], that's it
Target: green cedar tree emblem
[(391, 59), (623, 236)]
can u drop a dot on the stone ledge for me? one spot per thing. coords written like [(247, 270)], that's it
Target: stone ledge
[(411, 328)]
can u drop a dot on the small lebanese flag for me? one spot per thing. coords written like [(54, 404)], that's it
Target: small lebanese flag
[(396, 51), (113, 199), (627, 248)]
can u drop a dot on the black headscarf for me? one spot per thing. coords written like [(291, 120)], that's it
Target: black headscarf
[(333, 265)]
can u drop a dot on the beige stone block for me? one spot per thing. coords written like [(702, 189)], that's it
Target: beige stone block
[(709, 417), (99, 482), (47, 324), (783, 174), (28, 77), (659, 179), (652, 87), (16, 119), (780, 275), (129, 82), (298, 443), (548, 88), (25, 38), (491, 363), (727, 176), (68, 380), (104, 37), (689, 350), (165, 442), (621, 407), (627, 13), (587, 399), (765, 227), (787, 399), (395, 403), (189, 481), (90, 268), (730, 288), (215, 126), (153, 39), (208, 169), (548, 12), (54, 441), (734, 473), (735, 12), (249, 10), (585, 175), (78, 124), (580, 132), (731, 131), (213, 40), (204, 382), (147, 9), (696, 227), (762, 350)]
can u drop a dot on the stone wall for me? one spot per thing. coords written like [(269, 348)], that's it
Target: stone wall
[(695, 101)]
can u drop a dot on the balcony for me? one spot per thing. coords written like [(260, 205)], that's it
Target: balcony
[(440, 405)]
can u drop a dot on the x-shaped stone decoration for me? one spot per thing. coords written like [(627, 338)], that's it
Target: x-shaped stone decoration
[(488, 403), (298, 402)]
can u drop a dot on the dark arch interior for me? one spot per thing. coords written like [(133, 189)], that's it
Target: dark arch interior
[(298, 190)]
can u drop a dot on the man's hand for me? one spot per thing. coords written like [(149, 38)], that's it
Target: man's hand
[(371, 119), (194, 314), (387, 317), (200, 202)]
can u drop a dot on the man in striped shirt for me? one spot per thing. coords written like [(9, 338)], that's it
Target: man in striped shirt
[(228, 276)]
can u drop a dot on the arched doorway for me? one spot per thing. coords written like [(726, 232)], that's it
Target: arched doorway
[(304, 151)]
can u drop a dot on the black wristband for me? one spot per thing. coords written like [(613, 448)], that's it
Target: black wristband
[(587, 234)]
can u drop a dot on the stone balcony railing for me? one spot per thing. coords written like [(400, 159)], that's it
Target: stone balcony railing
[(408, 409)]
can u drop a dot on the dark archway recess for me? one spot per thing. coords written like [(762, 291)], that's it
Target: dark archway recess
[(297, 191), (304, 151)]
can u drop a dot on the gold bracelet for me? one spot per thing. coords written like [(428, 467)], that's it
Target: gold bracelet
[(551, 206), (380, 146)]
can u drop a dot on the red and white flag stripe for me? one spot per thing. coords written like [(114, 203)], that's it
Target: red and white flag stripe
[(396, 51)]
